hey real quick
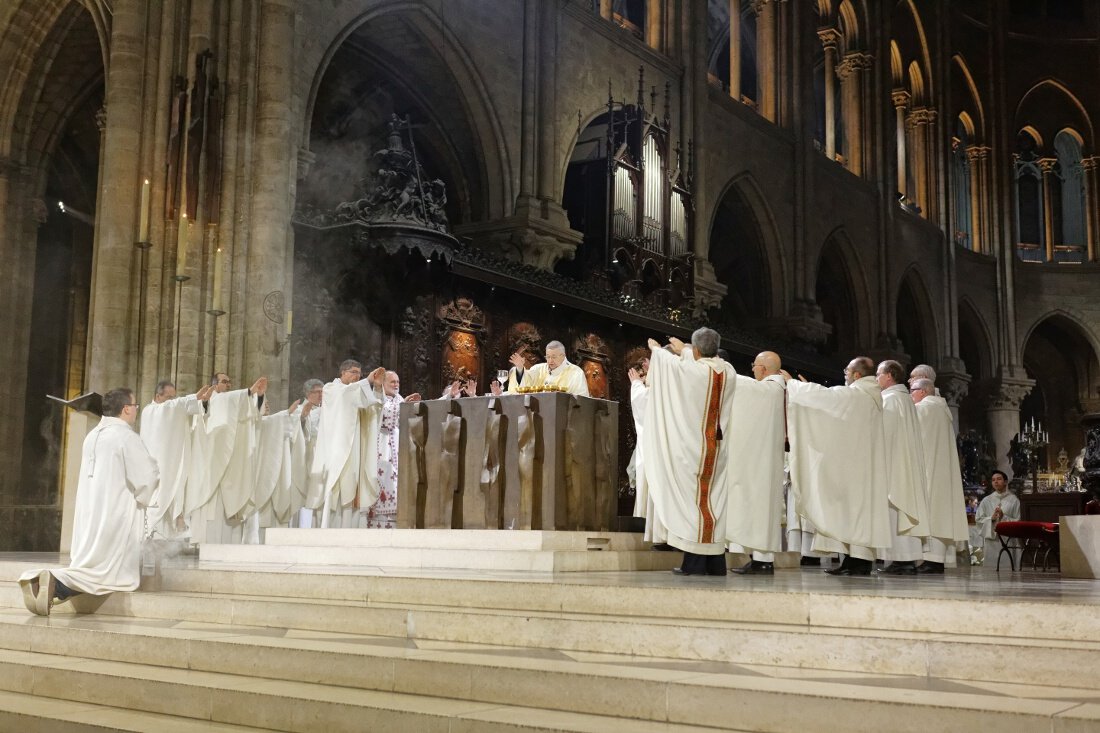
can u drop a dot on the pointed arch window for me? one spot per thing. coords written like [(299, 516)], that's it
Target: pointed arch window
[(960, 186), (1070, 225), (1029, 200)]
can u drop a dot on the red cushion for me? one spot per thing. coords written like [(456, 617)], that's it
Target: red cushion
[(1027, 530)]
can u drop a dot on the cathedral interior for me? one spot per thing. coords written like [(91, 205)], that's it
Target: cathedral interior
[(268, 187)]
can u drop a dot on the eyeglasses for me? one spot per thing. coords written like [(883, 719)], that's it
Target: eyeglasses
[(132, 404)]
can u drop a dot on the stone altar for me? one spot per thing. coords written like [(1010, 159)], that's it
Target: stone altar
[(544, 460)]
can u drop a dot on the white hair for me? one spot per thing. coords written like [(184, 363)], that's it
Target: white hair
[(555, 346)]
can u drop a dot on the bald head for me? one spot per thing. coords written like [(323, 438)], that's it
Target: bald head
[(765, 364), (858, 368)]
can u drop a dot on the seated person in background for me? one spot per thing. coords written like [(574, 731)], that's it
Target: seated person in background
[(1000, 506), (557, 372)]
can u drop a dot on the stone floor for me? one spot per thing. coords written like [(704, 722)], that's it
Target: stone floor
[(797, 651)]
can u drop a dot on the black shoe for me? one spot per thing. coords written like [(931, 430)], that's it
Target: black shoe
[(662, 547), (810, 561), (755, 567), (899, 568), (681, 571), (852, 566), (930, 568)]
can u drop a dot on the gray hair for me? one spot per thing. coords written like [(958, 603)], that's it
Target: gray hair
[(926, 384), (556, 346), (310, 385), (706, 340), (349, 364), (923, 371), (163, 385)]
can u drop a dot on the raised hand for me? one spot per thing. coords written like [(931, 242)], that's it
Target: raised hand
[(203, 395), (259, 386), (517, 361), (414, 397), (306, 409), (676, 344), (470, 388), (653, 344), (633, 374), (293, 406), (375, 378), (495, 388)]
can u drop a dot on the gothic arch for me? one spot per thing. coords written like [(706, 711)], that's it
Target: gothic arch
[(975, 341), (743, 194), (914, 41), (842, 293), (915, 318), (963, 84), (470, 121), (1073, 321), (1049, 106)]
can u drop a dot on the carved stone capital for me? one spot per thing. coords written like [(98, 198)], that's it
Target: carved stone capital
[(1046, 165), (919, 116), (830, 38), (708, 291), (953, 386), (1007, 393), (101, 118), (538, 234), (975, 153), (306, 159), (900, 98), (1089, 164), (853, 63)]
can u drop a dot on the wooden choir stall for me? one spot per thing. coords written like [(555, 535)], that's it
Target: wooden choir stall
[(543, 460)]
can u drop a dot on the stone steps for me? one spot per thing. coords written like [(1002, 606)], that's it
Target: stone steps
[(303, 684)]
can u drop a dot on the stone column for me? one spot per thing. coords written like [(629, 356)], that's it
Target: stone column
[(111, 332), (1092, 203), (1003, 413), (654, 25), (735, 49), (266, 299), (918, 122), (830, 40), (605, 9), (978, 158), (900, 98), (766, 58), (850, 71), (1046, 165)]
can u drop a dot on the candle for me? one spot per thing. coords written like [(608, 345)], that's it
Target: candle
[(181, 244), (217, 304), (143, 223), (289, 321)]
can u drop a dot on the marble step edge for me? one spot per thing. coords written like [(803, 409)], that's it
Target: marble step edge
[(420, 558), (755, 703), (852, 651), (709, 599), (450, 539), (30, 714)]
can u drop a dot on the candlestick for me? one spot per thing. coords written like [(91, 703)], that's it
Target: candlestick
[(217, 304), (181, 245), (143, 222), (289, 321)]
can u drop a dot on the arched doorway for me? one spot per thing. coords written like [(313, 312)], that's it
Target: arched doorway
[(916, 324), (1059, 355), (739, 253), (838, 297)]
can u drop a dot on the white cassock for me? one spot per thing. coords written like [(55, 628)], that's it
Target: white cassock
[(224, 452), (755, 436), (345, 461), (946, 504), (117, 480), (686, 457), (643, 501), (983, 518), (301, 462), (280, 436), (383, 514), (838, 465), (905, 475), (568, 377), (166, 432)]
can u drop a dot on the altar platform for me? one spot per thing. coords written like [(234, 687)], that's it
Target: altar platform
[(292, 646)]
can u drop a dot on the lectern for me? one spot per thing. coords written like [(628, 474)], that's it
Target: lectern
[(545, 460)]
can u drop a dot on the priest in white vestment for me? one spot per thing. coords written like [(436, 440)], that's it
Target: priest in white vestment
[(1000, 506), (756, 435), (924, 371), (383, 514), (279, 437), (654, 532), (557, 372), (312, 394), (838, 465), (166, 424), (905, 476), (686, 456), (117, 480), (946, 504), (219, 493), (345, 461)]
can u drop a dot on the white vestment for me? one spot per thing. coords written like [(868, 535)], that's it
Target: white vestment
[(345, 460), (643, 500), (755, 435), (905, 476), (983, 519), (383, 514), (166, 432), (838, 465), (567, 376), (302, 482), (946, 504), (686, 457), (117, 480), (280, 436)]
